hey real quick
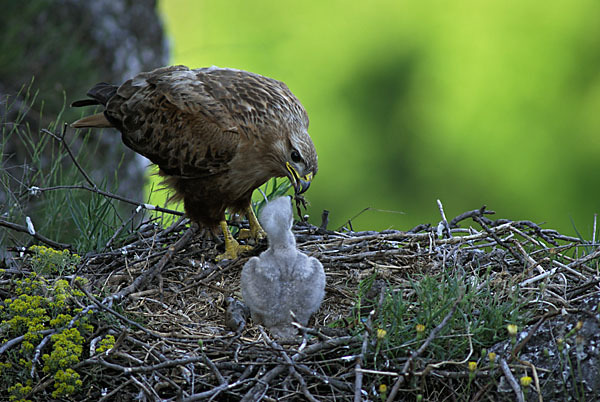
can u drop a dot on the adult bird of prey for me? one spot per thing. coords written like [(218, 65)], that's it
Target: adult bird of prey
[(215, 133)]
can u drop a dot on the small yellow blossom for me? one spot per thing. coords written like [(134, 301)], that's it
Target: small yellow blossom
[(492, 357), (420, 328), (381, 333), (382, 388), (579, 325), (560, 343), (526, 381), (472, 366), (512, 329)]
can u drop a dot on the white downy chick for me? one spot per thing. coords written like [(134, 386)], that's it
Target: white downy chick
[(282, 278)]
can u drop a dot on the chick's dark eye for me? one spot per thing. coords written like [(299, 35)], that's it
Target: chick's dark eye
[(296, 158)]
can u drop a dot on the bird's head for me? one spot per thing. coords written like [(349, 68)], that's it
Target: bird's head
[(301, 161)]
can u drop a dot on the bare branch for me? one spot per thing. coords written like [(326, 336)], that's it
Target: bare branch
[(35, 235)]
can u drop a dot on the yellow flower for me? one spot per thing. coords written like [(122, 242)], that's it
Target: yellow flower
[(579, 325), (526, 381), (381, 333), (560, 343), (472, 366), (512, 329), (420, 328), (492, 357), (382, 388)]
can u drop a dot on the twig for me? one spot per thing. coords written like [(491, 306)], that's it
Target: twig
[(214, 369), (512, 380), (15, 341), (35, 235), (149, 391), (118, 231), (109, 195), (594, 232), (324, 220), (585, 259), (38, 352), (114, 391), (147, 369), (263, 383), (485, 227), (148, 275), (537, 278), (61, 139), (446, 227), (203, 395), (113, 312), (291, 365), (470, 214), (536, 379), (532, 263), (532, 331), (360, 358), (363, 350)]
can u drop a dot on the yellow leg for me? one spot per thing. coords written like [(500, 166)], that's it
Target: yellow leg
[(256, 231), (232, 248)]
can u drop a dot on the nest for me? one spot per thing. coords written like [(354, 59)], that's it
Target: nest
[(182, 333)]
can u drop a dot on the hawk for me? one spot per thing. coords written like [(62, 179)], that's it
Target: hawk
[(216, 135)]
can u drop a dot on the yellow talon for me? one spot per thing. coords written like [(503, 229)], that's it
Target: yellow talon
[(232, 248)]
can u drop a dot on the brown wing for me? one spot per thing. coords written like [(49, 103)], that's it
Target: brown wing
[(192, 122), (167, 116)]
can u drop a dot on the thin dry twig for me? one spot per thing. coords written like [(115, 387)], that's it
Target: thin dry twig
[(512, 380), (35, 235), (470, 214), (446, 226), (291, 365)]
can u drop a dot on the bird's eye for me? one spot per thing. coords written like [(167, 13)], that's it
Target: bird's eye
[(296, 158)]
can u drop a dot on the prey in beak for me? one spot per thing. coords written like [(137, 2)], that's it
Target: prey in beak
[(300, 183)]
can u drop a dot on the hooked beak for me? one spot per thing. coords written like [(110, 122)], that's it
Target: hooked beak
[(301, 184)]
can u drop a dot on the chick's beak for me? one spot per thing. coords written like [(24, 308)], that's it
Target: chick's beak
[(300, 183)]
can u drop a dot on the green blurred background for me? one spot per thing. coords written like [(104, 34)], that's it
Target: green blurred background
[(471, 102)]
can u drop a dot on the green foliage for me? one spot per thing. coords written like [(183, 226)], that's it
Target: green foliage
[(39, 188), (107, 343), (18, 391), (66, 351), (46, 260), (66, 382), (406, 316), (38, 307)]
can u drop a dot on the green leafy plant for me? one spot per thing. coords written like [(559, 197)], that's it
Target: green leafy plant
[(47, 260), (408, 315), (42, 308)]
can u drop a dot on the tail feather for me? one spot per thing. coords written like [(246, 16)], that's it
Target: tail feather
[(85, 102), (100, 94)]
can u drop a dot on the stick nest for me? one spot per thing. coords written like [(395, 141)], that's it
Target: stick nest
[(183, 335)]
